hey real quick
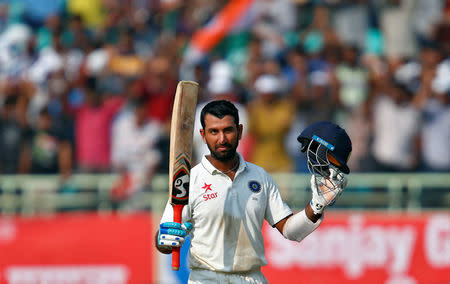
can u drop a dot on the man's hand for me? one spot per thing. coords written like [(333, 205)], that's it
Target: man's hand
[(172, 234), (325, 191)]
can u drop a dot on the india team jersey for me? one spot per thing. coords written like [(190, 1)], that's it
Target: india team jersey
[(228, 216)]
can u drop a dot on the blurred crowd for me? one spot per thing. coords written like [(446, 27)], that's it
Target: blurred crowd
[(87, 86)]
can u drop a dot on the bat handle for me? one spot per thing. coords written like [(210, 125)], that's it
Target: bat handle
[(177, 211)]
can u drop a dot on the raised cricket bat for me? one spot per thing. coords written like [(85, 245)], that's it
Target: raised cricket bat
[(181, 131)]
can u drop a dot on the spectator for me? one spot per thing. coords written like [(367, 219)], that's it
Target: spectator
[(92, 11), (295, 70), (320, 33), (14, 138), (92, 128), (396, 129), (433, 97), (50, 59), (397, 29), (50, 151), (426, 16), (270, 116), (274, 19), (125, 61), (351, 22), (353, 79), (45, 33), (436, 133), (253, 66), (160, 85), (109, 32), (322, 87), (4, 19), (134, 153), (144, 35), (17, 50), (353, 82), (76, 35)]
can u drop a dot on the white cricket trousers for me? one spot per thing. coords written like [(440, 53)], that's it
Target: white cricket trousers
[(200, 276)]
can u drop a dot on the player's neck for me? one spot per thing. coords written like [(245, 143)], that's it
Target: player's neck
[(230, 165)]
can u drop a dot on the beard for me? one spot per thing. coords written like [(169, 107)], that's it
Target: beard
[(223, 156)]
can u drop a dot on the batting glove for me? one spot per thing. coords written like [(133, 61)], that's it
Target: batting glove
[(172, 234), (325, 191)]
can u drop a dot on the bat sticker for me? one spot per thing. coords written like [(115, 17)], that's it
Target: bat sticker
[(180, 185)]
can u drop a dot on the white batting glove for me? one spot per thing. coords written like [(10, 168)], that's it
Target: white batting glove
[(325, 191), (172, 234)]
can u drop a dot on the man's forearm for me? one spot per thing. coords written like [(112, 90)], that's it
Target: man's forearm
[(299, 225)]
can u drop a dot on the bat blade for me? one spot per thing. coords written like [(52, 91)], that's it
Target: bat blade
[(181, 133)]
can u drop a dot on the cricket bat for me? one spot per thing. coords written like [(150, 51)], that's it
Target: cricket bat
[(181, 132)]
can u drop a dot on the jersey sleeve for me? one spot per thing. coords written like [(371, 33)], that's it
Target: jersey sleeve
[(168, 214), (276, 208)]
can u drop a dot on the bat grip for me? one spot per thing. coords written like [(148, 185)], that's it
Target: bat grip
[(177, 211)]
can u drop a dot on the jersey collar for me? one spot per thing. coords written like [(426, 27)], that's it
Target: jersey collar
[(212, 170)]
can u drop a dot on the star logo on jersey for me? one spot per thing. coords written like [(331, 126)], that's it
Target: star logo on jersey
[(211, 195), (207, 187)]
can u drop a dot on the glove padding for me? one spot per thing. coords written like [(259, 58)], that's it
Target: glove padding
[(325, 191), (172, 234)]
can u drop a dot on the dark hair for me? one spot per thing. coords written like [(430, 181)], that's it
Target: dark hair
[(219, 108), (402, 86), (44, 112), (141, 101), (92, 83), (11, 100)]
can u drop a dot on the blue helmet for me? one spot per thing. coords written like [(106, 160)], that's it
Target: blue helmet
[(322, 138)]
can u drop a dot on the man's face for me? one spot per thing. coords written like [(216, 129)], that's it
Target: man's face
[(221, 136)]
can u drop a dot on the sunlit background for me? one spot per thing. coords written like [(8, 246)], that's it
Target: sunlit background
[(86, 94)]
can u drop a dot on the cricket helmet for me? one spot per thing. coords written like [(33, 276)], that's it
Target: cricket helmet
[(323, 138)]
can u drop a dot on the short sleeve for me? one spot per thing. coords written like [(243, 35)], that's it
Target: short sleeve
[(276, 209)]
